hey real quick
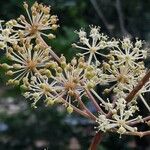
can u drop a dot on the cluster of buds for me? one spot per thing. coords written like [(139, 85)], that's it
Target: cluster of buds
[(38, 21), (45, 76), (25, 60)]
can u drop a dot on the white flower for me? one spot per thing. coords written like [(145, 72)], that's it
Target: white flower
[(94, 44), (25, 61), (40, 88), (123, 77), (129, 53), (120, 120), (6, 36), (37, 22)]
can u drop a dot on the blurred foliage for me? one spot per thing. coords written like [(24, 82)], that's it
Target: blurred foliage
[(40, 128)]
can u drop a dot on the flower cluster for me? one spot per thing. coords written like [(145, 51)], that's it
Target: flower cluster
[(37, 22), (122, 69), (129, 53), (94, 44), (26, 60), (121, 118), (67, 81), (44, 76), (7, 37)]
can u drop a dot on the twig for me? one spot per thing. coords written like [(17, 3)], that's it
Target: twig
[(96, 140), (121, 17), (78, 110), (138, 87), (139, 121), (140, 133), (101, 15), (51, 52), (94, 102), (85, 108)]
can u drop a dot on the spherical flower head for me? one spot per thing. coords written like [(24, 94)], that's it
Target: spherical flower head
[(74, 77), (39, 88), (66, 81), (129, 53), (123, 76), (122, 116), (94, 44), (71, 79), (39, 20), (25, 60)]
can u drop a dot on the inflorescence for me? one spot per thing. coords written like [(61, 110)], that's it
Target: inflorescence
[(116, 65)]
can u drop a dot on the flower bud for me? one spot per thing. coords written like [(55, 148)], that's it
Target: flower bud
[(69, 109)]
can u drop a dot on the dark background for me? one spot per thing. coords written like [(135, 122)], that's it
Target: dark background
[(24, 128)]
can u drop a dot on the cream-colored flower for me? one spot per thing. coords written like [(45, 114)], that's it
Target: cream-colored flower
[(38, 21), (71, 79), (40, 89), (129, 53), (94, 44), (25, 61), (6, 36), (122, 116), (123, 77), (67, 81)]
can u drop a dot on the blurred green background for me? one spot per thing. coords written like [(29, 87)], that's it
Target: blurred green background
[(24, 128)]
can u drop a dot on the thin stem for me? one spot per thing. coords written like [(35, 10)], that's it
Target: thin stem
[(85, 108), (101, 15), (53, 54), (121, 17), (140, 133), (99, 98), (138, 87), (96, 140), (94, 102), (145, 103), (139, 121), (78, 110)]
